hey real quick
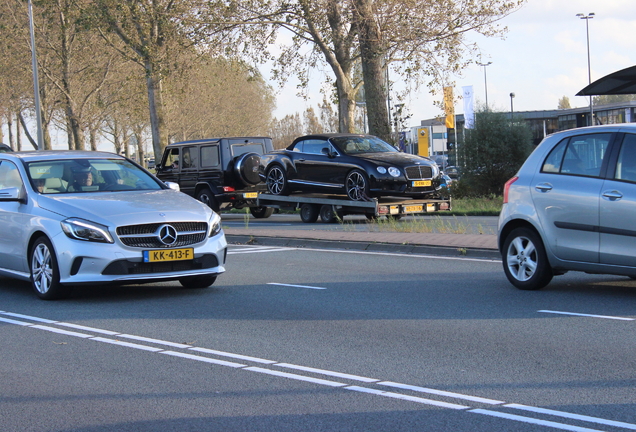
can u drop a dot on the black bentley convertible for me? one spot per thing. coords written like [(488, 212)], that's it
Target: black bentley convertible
[(362, 166)]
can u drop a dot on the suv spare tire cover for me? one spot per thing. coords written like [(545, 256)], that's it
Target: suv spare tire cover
[(246, 168)]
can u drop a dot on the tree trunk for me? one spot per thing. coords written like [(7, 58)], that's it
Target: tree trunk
[(153, 84), (372, 53)]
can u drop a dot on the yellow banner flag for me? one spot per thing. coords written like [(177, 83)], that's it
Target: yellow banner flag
[(449, 107)]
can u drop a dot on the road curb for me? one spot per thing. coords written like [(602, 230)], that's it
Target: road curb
[(364, 246)]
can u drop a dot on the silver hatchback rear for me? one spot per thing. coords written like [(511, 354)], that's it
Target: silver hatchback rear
[(572, 206)]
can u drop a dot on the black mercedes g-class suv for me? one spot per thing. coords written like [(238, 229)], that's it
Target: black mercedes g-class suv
[(221, 172)]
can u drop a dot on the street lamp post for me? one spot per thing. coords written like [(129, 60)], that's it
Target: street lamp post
[(485, 80), (587, 19), (512, 96)]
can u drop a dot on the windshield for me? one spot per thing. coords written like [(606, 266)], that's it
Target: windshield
[(88, 175), (364, 144)]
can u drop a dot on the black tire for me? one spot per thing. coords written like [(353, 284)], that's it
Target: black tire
[(276, 180), (525, 261), (357, 186), (206, 196), (261, 212), (246, 168), (309, 213), (195, 282), (45, 273), (329, 215)]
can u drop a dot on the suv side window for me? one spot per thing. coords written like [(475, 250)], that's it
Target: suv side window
[(171, 159), (209, 156), (190, 158), (626, 164), (579, 155)]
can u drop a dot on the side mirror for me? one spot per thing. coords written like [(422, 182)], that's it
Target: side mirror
[(12, 194), (327, 152), (173, 186)]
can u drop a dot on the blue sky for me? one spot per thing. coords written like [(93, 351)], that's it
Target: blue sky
[(542, 58)]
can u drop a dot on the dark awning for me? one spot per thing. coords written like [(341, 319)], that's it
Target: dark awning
[(621, 82)]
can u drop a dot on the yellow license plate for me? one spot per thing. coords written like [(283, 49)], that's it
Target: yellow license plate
[(250, 195), (413, 209), (161, 255), (421, 183)]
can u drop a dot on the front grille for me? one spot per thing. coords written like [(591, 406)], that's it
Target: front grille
[(419, 172), (146, 235)]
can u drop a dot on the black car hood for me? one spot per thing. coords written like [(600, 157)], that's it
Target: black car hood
[(394, 158)]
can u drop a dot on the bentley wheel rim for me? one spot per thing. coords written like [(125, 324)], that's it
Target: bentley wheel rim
[(356, 186), (275, 181)]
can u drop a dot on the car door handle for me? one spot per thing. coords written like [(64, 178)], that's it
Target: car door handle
[(543, 187), (613, 195), (300, 160)]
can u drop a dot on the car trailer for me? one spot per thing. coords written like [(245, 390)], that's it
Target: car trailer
[(331, 208)]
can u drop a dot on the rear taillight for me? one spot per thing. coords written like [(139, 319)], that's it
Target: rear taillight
[(228, 189), (507, 188)]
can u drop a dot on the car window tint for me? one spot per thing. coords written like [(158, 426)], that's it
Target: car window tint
[(190, 158), (9, 175), (580, 155), (552, 163), (314, 146), (626, 164), (209, 156), (171, 159), (298, 147), (239, 149)]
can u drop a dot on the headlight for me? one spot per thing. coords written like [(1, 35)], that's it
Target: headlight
[(215, 224), (382, 170), (80, 229), (394, 172)]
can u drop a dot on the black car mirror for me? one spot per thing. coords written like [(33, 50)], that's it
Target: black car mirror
[(326, 151)]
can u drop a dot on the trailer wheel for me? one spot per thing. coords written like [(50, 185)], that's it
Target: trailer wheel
[(329, 215), (309, 213)]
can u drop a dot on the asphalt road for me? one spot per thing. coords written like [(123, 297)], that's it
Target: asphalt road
[(318, 340)]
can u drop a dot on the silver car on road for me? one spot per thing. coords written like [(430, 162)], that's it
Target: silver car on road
[(85, 218), (572, 206)]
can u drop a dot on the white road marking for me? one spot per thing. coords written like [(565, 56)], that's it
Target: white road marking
[(530, 420), (155, 341), (260, 251), (295, 286), (572, 416), (319, 381), (441, 393), (408, 398), (588, 315), (126, 344), (203, 359), (326, 372), (392, 254), (236, 356), (296, 377)]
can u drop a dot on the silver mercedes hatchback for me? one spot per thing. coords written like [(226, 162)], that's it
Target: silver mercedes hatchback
[(572, 206), (85, 218)]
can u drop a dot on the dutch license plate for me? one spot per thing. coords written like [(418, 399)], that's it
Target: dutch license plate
[(421, 183), (413, 209), (250, 195), (161, 255)]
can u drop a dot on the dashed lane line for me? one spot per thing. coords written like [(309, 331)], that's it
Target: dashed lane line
[(37, 323)]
